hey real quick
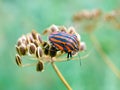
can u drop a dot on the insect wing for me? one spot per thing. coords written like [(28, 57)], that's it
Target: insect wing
[(63, 41)]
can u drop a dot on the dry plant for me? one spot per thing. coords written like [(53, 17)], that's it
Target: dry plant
[(33, 46), (91, 20)]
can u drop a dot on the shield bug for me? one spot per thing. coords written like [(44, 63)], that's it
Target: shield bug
[(64, 42)]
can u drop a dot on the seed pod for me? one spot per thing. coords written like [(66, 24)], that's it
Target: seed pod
[(39, 38), (23, 38), (30, 38), (40, 66), (45, 31), (34, 33), (17, 49), (71, 30), (31, 48), (62, 29), (18, 60), (19, 42), (39, 52), (36, 43), (82, 46), (53, 51), (45, 47), (53, 28), (22, 49)]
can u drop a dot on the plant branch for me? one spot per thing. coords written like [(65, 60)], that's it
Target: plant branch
[(106, 59), (61, 76)]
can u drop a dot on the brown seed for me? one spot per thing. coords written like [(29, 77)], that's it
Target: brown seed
[(18, 60), (82, 46), (36, 43), (44, 44), (30, 39), (23, 38), (71, 30), (45, 32), (39, 66), (39, 52), (53, 28), (39, 38), (22, 49), (32, 48), (17, 49), (34, 33), (19, 43), (62, 29), (27, 41)]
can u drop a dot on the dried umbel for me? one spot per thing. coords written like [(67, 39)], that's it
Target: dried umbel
[(61, 40), (113, 15), (87, 15), (90, 20)]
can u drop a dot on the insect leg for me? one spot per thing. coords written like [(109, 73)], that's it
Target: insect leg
[(69, 55)]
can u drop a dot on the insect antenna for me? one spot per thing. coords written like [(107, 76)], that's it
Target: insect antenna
[(79, 59)]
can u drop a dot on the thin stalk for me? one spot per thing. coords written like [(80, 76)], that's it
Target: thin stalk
[(106, 59), (61, 76)]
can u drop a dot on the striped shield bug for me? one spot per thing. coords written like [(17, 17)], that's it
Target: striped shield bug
[(64, 42)]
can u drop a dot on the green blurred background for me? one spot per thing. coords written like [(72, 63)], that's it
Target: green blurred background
[(19, 17)]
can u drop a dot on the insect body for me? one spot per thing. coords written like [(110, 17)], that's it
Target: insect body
[(65, 42)]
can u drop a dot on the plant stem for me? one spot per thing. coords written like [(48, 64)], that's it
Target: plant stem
[(61, 76), (106, 59)]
